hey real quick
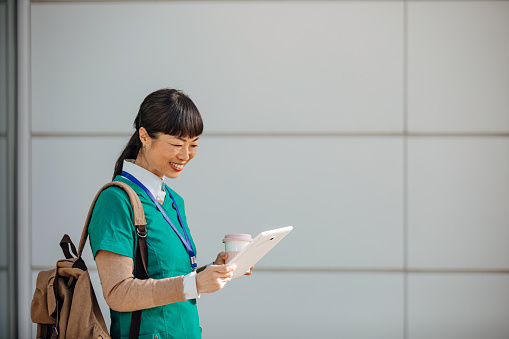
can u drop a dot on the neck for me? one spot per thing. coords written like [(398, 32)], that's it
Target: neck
[(142, 162)]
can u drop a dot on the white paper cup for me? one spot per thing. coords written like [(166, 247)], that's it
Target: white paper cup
[(234, 243)]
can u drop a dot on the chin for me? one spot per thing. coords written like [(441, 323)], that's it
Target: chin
[(172, 175)]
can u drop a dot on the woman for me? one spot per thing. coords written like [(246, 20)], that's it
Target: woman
[(168, 126)]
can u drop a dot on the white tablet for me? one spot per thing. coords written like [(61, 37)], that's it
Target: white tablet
[(257, 248)]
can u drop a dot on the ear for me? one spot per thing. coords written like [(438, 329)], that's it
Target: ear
[(144, 137)]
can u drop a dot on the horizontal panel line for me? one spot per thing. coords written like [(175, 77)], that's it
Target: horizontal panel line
[(379, 270), (79, 134), (4, 268), (282, 134), (105, 1), (345, 270), (457, 0)]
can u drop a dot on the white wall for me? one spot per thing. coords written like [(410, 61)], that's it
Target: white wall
[(378, 129)]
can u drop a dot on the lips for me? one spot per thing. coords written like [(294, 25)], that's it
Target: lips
[(176, 167)]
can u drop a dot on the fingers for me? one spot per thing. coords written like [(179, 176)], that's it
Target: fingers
[(224, 271), (221, 258), (223, 268), (214, 278), (250, 271)]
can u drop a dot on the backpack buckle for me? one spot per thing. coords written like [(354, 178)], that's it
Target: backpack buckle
[(141, 231), (54, 332)]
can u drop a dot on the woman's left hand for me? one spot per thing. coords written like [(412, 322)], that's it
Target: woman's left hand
[(221, 260)]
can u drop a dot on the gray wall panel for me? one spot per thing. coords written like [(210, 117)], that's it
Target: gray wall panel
[(67, 173), (5, 301), (4, 239), (329, 66), (457, 205), (465, 306), (300, 305), (458, 72), (3, 67)]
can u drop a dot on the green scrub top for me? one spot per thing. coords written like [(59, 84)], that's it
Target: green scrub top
[(111, 229)]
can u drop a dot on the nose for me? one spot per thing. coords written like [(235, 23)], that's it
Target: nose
[(183, 154)]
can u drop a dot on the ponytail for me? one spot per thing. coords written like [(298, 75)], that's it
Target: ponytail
[(130, 152)]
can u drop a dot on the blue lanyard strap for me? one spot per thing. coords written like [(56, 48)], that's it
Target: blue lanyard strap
[(185, 241)]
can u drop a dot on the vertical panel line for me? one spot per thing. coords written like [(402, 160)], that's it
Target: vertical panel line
[(12, 168), (23, 166), (405, 169)]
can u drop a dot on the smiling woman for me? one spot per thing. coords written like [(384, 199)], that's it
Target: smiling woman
[(161, 304)]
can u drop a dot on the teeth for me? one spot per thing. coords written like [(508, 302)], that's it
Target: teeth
[(177, 166)]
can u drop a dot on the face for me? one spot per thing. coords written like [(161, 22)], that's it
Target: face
[(166, 155)]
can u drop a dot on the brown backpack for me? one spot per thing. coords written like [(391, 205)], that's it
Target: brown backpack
[(64, 304)]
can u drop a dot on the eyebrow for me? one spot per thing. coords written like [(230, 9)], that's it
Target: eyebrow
[(183, 139)]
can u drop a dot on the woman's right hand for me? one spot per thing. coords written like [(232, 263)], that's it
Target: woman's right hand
[(213, 278)]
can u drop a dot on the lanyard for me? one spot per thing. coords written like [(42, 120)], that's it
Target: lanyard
[(185, 241)]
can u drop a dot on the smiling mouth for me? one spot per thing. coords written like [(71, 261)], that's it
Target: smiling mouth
[(177, 167)]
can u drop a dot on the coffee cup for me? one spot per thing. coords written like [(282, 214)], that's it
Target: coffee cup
[(234, 243)]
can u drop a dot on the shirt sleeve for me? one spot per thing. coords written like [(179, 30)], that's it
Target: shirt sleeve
[(111, 226), (124, 293), (190, 289)]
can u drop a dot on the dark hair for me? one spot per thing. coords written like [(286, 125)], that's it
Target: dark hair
[(166, 111)]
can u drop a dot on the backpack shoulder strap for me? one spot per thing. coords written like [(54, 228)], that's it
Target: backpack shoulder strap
[(141, 250), (139, 215)]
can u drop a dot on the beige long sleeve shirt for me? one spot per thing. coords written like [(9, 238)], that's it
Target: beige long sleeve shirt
[(124, 293)]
